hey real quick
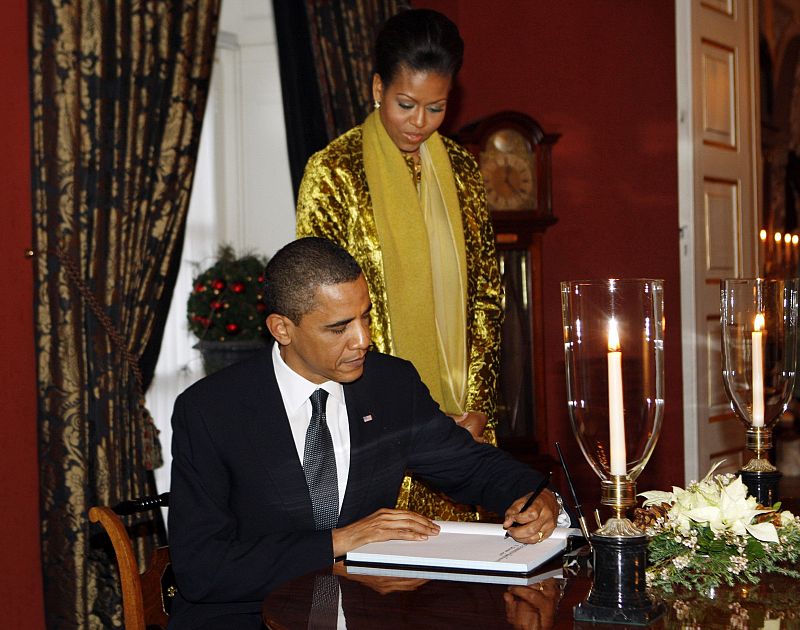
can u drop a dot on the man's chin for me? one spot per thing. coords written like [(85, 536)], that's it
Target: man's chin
[(350, 373)]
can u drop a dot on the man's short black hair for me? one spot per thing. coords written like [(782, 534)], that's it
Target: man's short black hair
[(293, 275)]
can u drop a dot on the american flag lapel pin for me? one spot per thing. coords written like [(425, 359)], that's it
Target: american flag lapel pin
[(367, 418)]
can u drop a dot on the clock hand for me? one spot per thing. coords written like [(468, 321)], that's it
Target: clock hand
[(507, 178)]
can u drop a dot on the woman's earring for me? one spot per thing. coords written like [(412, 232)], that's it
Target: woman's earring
[(376, 104)]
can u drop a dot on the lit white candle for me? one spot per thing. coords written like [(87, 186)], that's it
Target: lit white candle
[(616, 417), (758, 371), (762, 249)]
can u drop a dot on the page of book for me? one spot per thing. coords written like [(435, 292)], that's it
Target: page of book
[(477, 547)]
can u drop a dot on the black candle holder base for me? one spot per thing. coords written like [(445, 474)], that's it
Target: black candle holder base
[(618, 593), (762, 485)]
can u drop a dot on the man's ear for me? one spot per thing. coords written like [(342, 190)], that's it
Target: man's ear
[(281, 328)]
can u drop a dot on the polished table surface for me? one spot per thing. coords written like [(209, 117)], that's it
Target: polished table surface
[(391, 603)]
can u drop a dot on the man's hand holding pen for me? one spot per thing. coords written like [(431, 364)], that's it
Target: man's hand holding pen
[(536, 522)]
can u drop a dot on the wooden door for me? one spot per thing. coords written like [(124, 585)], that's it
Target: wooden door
[(717, 68)]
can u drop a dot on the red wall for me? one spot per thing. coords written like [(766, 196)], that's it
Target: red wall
[(20, 580), (602, 74)]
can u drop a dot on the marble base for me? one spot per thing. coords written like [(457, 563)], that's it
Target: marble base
[(762, 485), (618, 594)]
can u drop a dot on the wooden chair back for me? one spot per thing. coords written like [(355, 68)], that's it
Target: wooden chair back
[(144, 596)]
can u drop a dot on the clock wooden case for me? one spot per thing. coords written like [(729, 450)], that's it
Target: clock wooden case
[(514, 155)]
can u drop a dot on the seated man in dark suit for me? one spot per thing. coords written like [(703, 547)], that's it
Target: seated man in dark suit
[(286, 461)]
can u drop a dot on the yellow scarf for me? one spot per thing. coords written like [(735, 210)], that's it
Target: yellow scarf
[(400, 220)]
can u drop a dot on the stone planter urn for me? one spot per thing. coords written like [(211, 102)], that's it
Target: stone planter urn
[(219, 354)]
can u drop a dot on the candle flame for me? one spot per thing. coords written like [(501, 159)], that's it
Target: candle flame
[(787, 238), (778, 237), (795, 239), (762, 235), (758, 322), (613, 336)]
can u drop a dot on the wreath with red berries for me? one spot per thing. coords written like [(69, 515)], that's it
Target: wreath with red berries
[(227, 299)]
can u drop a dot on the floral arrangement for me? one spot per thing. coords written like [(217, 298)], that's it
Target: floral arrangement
[(227, 299), (713, 532)]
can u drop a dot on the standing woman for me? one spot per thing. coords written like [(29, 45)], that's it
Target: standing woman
[(410, 206)]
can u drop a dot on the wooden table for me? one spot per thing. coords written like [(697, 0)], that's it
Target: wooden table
[(371, 602)]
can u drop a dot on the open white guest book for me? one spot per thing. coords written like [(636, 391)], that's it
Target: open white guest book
[(464, 547)]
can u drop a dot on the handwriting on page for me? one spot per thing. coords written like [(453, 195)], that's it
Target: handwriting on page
[(507, 553)]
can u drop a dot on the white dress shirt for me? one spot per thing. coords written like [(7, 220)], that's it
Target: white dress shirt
[(296, 392)]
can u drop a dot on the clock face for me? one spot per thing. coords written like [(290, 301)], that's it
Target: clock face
[(508, 181), (507, 166)]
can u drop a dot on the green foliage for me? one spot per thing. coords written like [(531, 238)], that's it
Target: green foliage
[(227, 299), (701, 559)]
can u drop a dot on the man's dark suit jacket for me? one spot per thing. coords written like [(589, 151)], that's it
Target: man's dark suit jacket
[(240, 517)]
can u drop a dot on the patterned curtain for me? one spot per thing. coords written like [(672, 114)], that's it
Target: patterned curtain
[(302, 105), (118, 93), (342, 38)]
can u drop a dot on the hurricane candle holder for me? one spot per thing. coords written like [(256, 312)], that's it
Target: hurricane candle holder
[(759, 366), (613, 341)]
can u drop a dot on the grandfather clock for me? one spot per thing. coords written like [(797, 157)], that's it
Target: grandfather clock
[(513, 153)]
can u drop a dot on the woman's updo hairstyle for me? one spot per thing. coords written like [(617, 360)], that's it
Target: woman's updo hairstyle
[(421, 40)]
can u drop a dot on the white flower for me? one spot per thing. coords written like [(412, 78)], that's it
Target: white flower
[(765, 532), (720, 502), (681, 562), (657, 497), (787, 518), (738, 564), (736, 490)]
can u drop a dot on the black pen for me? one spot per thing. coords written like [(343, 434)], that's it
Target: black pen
[(581, 519), (542, 485)]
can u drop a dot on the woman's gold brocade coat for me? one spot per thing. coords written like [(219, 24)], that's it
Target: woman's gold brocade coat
[(334, 203)]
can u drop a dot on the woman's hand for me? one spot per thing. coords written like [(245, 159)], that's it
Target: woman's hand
[(474, 422)]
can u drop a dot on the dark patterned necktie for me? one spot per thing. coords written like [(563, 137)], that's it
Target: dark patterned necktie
[(319, 465)]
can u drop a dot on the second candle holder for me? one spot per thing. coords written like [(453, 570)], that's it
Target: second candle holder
[(759, 366)]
